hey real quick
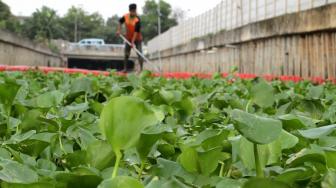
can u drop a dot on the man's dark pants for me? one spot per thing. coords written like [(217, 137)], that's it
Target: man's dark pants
[(138, 45)]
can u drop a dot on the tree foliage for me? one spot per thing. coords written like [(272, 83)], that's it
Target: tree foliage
[(150, 18), (111, 27), (4, 11), (88, 25), (7, 20), (45, 24)]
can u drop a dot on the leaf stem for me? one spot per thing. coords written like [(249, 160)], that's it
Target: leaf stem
[(258, 165), (60, 142), (229, 173), (221, 172), (17, 129), (141, 170), (248, 106), (86, 99), (116, 166), (8, 121)]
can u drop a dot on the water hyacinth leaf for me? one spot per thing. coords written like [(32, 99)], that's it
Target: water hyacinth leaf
[(167, 169), (14, 172), (96, 107), (170, 97), (166, 149), (201, 162), (5, 154), (75, 159), (229, 183), (313, 108), (209, 160), (30, 147), (74, 108), (83, 136), (287, 140), (329, 180), (32, 185), (215, 141), (157, 129), (330, 154), (84, 84), (121, 182), (269, 153), (47, 100), (141, 93), (80, 177), (284, 109), (317, 133), (13, 123), (44, 136), (305, 155), (8, 92), (327, 141), (99, 154), (166, 184), (189, 160), (264, 183), (22, 158), (235, 143), (259, 130), (293, 122), (145, 144), (330, 113), (59, 149), (123, 119), (292, 175), (208, 139), (133, 79), (315, 92), (158, 112), (107, 172), (46, 165), (30, 120), (17, 138), (185, 107), (263, 94)]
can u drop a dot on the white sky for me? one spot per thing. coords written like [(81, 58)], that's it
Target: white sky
[(104, 7)]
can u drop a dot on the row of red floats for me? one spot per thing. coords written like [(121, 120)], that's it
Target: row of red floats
[(177, 75)]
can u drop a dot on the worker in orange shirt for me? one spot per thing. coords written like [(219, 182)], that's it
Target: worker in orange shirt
[(133, 33)]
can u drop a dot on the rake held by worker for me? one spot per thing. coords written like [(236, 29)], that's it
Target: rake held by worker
[(140, 54)]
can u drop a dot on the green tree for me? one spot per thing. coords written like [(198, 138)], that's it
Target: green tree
[(92, 26), (7, 20), (44, 24), (149, 18), (4, 12), (88, 25), (73, 16), (110, 30)]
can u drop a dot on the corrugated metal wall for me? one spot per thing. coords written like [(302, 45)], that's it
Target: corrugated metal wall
[(228, 15), (306, 55)]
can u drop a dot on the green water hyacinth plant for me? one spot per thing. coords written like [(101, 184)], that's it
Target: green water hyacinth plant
[(258, 130), (62, 130), (122, 121)]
